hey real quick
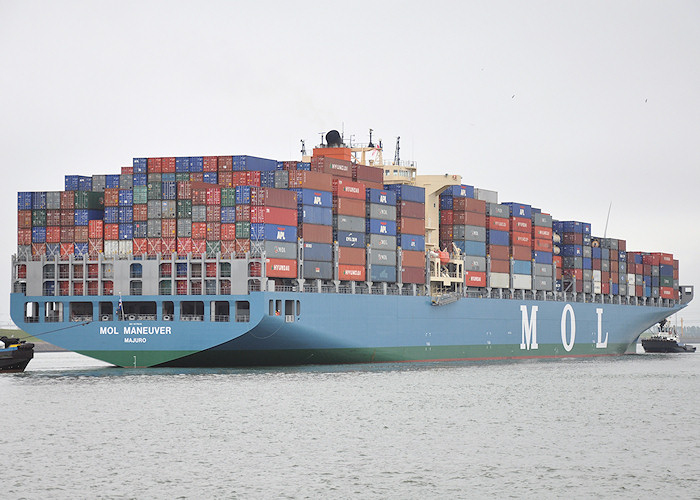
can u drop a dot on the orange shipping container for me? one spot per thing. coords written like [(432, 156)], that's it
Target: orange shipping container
[(474, 278), (542, 245), (351, 273), (349, 206), (352, 256), (542, 232), (498, 224), (521, 239), (521, 225), (521, 253), (281, 268), (343, 188), (412, 259), (500, 266), (410, 226), (469, 205), (413, 275)]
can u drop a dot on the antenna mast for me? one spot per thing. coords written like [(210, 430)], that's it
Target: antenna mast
[(396, 154), (303, 148), (370, 145), (605, 233)]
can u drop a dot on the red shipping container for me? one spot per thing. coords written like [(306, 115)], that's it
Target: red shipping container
[(140, 212), (316, 233), (470, 218), (521, 253), (542, 245), (197, 176), (154, 165), (67, 234), (243, 213), (68, 199), (271, 197), (651, 259), (446, 217), (226, 179), (214, 197), (542, 232), (333, 166), (281, 268), (595, 264), (500, 266), (184, 246), (572, 238), (38, 248), (557, 260), (53, 235), (521, 239), (675, 274), (498, 224), (228, 248), (413, 275), (410, 209), (253, 178), (95, 247), (573, 273), (213, 213), (67, 217), (24, 218), (410, 258), (95, 229), (224, 163), (168, 228), (368, 173), (614, 266), (646, 269), (498, 252), (111, 197), (521, 225), (242, 246), (349, 206), (348, 272), (605, 276), (111, 231), (469, 205), (614, 277), (273, 215), (168, 246), (53, 218), (81, 234), (310, 180), (153, 246), (228, 232), (664, 258), (199, 246), (666, 292), (66, 250), (127, 170), (474, 278), (199, 197), (213, 231), (168, 165), (140, 246), (613, 255), (24, 236), (622, 245), (446, 233), (210, 164), (184, 190), (199, 230), (407, 225), (239, 178), (373, 185), (605, 288), (351, 256), (344, 188)]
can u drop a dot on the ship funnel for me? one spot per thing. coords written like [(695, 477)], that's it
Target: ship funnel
[(333, 139)]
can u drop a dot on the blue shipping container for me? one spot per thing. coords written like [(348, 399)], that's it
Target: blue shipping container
[(381, 196), (572, 250), (84, 183), (267, 179), (572, 226), (80, 248), (243, 162), (272, 232), (542, 257), (314, 197), (196, 164), (71, 182), (126, 197), (38, 234), (446, 202), (140, 165), (622, 256), (522, 267), (463, 191), (140, 179), (168, 177), (473, 248), (24, 201), (140, 229), (407, 193), (53, 249), (383, 274), (318, 251), (412, 242), (595, 252), (39, 200), (519, 210), (126, 215), (349, 239), (111, 215), (126, 231), (377, 226), (587, 263), (228, 215), (666, 270), (182, 164), (242, 195), (586, 228), (316, 215), (211, 178), (112, 181), (169, 190), (304, 166), (494, 237)]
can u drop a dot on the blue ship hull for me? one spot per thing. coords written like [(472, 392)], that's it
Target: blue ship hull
[(347, 328)]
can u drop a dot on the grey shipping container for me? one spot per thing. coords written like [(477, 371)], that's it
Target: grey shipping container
[(99, 183), (383, 212), (542, 270), (486, 195), (622, 267), (199, 213), (154, 177), (382, 257), (317, 270), (587, 287), (474, 233), (605, 265), (542, 220), (154, 228), (622, 289), (542, 283), (280, 250), (382, 242), (281, 179), (587, 274), (53, 200), (154, 209), (496, 210), (475, 264), (126, 181), (184, 228), (654, 270), (168, 209), (348, 223), (573, 262), (586, 252)]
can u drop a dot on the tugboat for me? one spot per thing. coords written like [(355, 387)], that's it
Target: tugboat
[(665, 341), (15, 354)]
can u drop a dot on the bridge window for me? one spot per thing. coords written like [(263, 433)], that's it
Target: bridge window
[(220, 311), (168, 310), (53, 312), (81, 311), (106, 311), (138, 311), (243, 311), (31, 312), (136, 271), (192, 310)]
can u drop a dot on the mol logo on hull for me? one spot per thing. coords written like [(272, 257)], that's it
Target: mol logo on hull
[(568, 328)]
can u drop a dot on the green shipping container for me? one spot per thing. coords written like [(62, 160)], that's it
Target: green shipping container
[(666, 281), (38, 218), (243, 230), (184, 209), (213, 248), (155, 190), (182, 176), (228, 197), (88, 200), (140, 195)]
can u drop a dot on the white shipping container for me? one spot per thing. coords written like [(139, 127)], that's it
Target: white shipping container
[(597, 287), (597, 275), (631, 279), (111, 247), (126, 248), (499, 280), (522, 282)]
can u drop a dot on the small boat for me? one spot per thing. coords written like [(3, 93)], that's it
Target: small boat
[(15, 354), (666, 340)]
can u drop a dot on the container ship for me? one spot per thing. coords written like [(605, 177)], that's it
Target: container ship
[(224, 261)]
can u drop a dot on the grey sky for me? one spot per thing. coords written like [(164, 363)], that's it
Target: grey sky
[(563, 105)]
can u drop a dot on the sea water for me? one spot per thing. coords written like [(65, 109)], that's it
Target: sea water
[(622, 427)]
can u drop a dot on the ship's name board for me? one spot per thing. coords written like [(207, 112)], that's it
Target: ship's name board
[(568, 328), (129, 331)]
